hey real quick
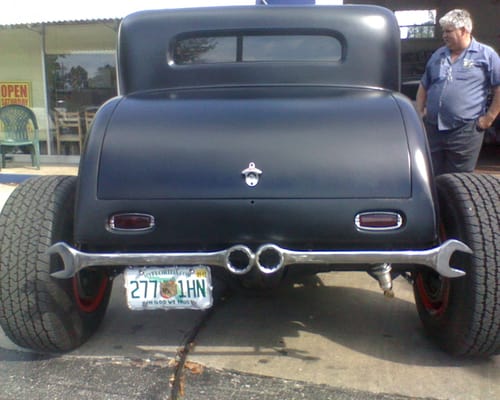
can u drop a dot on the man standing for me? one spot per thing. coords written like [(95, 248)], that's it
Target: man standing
[(453, 92)]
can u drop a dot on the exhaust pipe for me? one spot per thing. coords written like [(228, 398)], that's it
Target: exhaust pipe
[(382, 273), (269, 259), (239, 259)]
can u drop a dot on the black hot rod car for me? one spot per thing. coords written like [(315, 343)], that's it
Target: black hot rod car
[(250, 143)]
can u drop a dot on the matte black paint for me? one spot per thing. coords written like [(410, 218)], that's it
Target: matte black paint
[(309, 143), (370, 35), (331, 140)]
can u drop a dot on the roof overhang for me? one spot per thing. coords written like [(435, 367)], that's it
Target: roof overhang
[(32, 12), (28, 12)]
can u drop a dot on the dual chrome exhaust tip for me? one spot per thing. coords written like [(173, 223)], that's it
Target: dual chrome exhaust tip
[(240, 259)]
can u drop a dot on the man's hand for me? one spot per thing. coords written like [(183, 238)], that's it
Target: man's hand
[(485, 121), (421, 100)]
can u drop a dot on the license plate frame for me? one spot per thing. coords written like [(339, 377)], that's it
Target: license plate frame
[(168, 288)]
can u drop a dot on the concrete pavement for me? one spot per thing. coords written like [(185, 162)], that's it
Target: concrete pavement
[(338, 331)]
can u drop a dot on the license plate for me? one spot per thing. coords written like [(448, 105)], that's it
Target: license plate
[(155, 288)]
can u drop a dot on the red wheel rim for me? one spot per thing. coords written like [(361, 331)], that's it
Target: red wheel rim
[(434, 290), (89, 302)]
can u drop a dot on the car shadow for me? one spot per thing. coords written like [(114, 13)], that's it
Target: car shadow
[(358, 319), (262, 324)]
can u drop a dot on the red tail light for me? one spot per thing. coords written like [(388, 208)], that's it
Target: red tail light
[(378, 221), (131, 222)]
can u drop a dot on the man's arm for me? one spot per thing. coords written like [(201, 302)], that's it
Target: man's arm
[(421, 100), (486, 120)]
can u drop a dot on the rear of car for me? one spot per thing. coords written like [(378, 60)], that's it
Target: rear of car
[(291, 96), (248, 143)]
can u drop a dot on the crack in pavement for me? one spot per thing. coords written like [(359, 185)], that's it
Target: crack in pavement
[(177, 380)]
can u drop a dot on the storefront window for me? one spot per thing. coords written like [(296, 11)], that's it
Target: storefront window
[(77, 85), (78, 81)]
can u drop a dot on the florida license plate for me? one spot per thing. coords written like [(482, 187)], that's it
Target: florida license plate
[(154, 288)]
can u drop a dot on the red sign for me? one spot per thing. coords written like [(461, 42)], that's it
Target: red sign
[(15, 93)]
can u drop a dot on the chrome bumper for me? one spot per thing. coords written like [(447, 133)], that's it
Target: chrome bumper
[(269, 258)]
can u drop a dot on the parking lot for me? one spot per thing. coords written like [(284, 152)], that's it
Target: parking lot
[(335, 336)]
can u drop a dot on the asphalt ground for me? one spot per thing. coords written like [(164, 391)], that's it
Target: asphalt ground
[(330, 337), (35, 377)]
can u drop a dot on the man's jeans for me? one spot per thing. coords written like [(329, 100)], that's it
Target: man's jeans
[(455, 150)]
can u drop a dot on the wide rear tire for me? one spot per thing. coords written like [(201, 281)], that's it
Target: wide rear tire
[(463, 314), (38, 311)]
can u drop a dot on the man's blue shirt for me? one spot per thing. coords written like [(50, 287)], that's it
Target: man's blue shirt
[(457, 92)]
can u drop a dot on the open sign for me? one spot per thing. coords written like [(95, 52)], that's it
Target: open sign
[(15, 93)]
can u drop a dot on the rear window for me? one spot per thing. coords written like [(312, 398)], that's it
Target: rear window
[(256, 48)]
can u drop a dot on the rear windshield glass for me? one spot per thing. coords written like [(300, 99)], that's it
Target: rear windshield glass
[(254, 48)]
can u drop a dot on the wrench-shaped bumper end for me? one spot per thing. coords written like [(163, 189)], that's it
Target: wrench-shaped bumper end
[(69, 257), (443, 258)]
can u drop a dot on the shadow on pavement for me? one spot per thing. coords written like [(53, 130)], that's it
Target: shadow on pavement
[(357, 319), (269, 325)]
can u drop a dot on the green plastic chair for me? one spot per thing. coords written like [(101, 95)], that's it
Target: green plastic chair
[(19, 128)]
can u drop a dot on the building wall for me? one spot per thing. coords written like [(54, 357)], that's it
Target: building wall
[(70, 38)]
